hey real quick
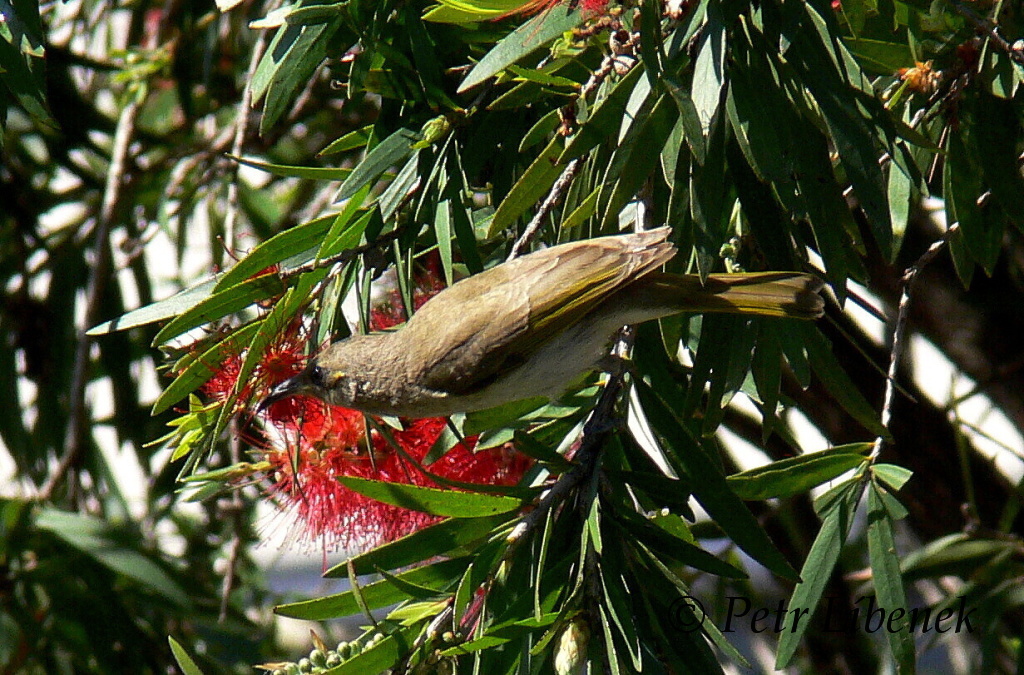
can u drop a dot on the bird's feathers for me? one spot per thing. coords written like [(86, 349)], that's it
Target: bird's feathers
[(539, 295)]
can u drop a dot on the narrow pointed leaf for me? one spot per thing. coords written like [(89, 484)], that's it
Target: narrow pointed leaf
[(524, 40), (421, 545), (431, 500), (711, 488), (885, 571)]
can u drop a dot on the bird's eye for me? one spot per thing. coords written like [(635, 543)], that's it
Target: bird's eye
[(318, 376)]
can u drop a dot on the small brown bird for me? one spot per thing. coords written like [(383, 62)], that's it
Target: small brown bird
[(529, 327)]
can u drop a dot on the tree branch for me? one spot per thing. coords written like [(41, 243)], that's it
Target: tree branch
[(101, 269)]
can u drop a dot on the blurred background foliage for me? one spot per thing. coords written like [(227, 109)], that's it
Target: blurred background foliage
[(845, 138)]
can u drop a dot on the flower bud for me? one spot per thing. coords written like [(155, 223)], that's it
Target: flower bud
[(571, 650)]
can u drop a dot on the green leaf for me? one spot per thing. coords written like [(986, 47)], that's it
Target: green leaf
[(797, 475), (281, 246), (835, 379), (510, 415), (724, 340), (852, 112), (996, 131), (593, 524), (389, 152), (617, 604), (817, 570), (606, 118), (460, 214), (345, 233), (185, 662), (294, 53), (651, 42), (963, 262), (636, 159), (542, 76), (901, 195), (221, 304), (316, 13), (523, 94), (21, 61), (585, 209), (404, 184), (893, 476), (766, 369), (709, 69), (519, 43), (530, 188), (204, 366), (670, 545), (312, 172), (424, 544), (690, 118), (885, 571), (539, 131), (350, 141), (179, 303), (436, 502), (469, 11), (709, 203), (101, 541), (956, 554), (710, 486), (438, 577), (503, 633), (963, 185), (612, 656), (881, 58), (378, 657), (673, 493), (892, 505), (526, 444)]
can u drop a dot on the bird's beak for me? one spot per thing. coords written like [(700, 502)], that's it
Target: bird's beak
[(286, 389)]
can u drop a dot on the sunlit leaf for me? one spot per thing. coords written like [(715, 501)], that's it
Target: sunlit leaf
[(431, 500)]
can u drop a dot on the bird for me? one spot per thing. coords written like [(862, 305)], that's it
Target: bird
[(531, 326)]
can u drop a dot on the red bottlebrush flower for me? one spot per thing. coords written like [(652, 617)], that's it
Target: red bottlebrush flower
[(282, 359), (391, 311), (309, 444), (306, 472), (222, 383)]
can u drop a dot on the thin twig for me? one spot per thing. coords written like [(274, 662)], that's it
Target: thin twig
[(599, 423), (984, 25), (598, 76), (237, 506), (549, 203), (595, 431), (343, 256), (558, 190), (233, 510), (241, 131), (898, 341), (75, 437)]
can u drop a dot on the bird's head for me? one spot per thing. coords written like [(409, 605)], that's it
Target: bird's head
[(325, 377)]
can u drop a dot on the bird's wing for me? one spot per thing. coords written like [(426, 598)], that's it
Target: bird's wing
[(491, 322)]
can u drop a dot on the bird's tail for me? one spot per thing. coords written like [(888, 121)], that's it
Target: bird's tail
[(781, 294)]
